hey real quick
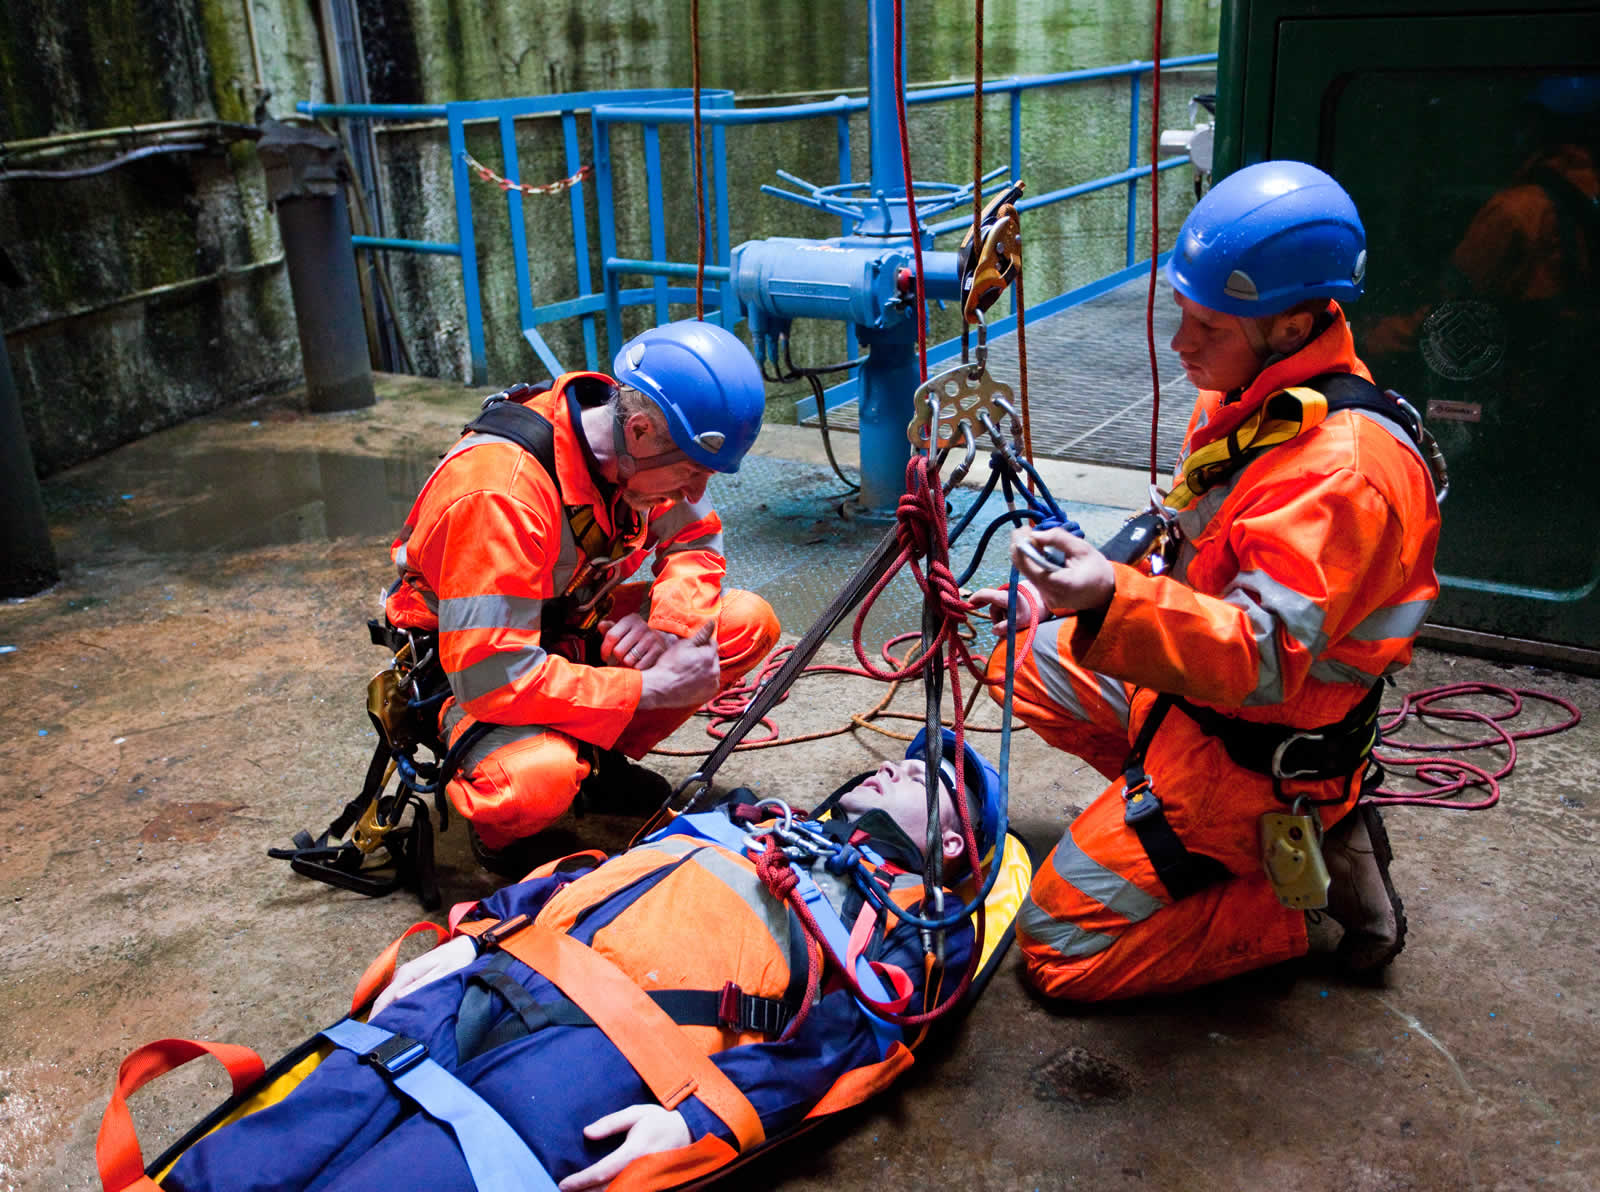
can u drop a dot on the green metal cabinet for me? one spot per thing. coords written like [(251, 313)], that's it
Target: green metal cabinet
[(1457, 129)]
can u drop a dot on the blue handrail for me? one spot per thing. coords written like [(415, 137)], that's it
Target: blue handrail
[(651, 108)]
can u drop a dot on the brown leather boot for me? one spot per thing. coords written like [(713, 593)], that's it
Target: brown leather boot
[(1361, 898)]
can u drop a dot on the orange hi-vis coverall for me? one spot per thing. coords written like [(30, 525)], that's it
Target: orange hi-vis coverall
[(1302, 580), (491, 545)]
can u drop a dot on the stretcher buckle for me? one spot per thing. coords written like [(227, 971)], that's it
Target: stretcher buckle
[(502, 931), (396, 1056)]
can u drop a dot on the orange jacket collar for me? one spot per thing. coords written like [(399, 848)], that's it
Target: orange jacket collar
[(1332, 351)]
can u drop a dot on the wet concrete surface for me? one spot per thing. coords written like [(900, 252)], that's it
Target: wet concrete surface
[(192, 693)]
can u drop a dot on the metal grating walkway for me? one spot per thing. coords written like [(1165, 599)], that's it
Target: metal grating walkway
[(1089, 393)]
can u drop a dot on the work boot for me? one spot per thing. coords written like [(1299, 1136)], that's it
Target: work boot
[(1364, 925), (618, 786), (514, 860)]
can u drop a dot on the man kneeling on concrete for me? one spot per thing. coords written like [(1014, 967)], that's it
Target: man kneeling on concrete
[(563, 997), (514, 554)]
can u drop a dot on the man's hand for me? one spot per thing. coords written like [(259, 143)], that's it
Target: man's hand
[(994, 601), (430, 966), (1084, 580), (651, 1129), (631, 642), (686, 675)]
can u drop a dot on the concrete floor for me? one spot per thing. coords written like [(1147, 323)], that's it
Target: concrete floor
[(191, 693)]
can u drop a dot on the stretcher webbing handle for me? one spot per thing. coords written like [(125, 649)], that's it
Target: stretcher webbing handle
[(664, 1057), (381, 971), (116, 1149)]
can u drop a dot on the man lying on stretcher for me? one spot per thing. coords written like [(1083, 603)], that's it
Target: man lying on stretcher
[(691, 923)]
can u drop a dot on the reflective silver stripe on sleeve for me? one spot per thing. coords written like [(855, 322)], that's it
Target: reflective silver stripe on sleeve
[(681, 515), (1047, 661), (1066, 939), (1329, 670), (1269, 604), (494, 672), (711, 542), (489, 612), (471, 440), (1398, 620), (400, 558)]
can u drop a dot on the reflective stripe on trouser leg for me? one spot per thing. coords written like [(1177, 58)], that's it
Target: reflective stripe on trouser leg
[(1080, 711), (1098, 924), (747, 629)]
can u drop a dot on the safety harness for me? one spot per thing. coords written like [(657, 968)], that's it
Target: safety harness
[(1278, 751), (403, 700)]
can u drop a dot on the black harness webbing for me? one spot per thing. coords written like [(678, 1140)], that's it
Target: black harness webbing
[(477, 1031), (528, 429), (1284, 753), (1182, 872), (1346, 391), (1276, 750)]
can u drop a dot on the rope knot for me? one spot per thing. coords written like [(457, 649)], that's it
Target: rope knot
[(774, 869), (912, 527)]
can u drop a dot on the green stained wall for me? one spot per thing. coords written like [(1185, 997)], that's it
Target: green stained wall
[(95, 370)]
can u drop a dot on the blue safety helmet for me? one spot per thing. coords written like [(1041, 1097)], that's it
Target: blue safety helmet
[(1267, 237), (982, 785), (707, 384)]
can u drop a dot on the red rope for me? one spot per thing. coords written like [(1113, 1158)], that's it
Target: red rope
[(1155, 239), (1447, 776), (911, 198), (774, 869)]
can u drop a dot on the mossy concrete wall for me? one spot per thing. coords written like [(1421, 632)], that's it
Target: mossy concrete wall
[(97, 364)]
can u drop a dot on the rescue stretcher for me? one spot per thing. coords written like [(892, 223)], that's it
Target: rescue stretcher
[(257, 1085)]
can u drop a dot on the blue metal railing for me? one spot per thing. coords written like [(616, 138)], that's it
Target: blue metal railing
[(650, 109)]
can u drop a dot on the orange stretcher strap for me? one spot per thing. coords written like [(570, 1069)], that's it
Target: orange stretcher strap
[(665, 1058), (116, 1149), (381, 971)]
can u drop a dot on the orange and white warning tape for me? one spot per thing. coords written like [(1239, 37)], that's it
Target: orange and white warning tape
[(527, 188)]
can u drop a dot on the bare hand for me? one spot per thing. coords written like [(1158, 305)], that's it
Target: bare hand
[(651, 1129), (430, 966), (1084, 580), (994, 601), (687, 674), (631, 642)]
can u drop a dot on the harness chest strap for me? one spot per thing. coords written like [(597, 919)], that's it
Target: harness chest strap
[(670, 1065)]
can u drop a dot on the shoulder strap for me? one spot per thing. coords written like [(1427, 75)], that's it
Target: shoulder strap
[(506, 417), (1346, 391)]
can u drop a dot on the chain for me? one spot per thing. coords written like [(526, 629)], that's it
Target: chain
[(527, 188)]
